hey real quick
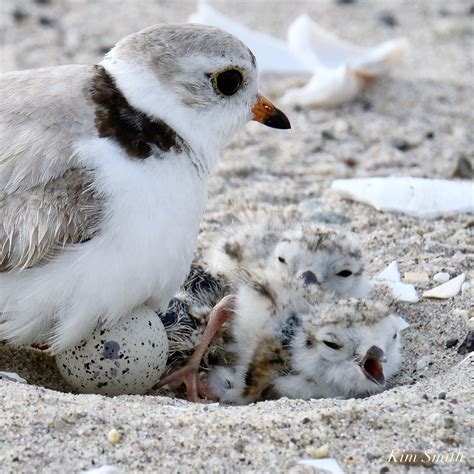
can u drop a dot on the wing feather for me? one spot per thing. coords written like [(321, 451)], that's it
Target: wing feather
[(46, 199), (36, 225)]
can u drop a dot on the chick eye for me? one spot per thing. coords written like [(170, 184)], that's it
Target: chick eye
[(228, 82), (332, 345), (281, 260), (344, 273), (395, 336)]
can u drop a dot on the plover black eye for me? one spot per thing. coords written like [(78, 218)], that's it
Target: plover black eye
[(333, 345), (228, 82), (395, 336), (344, 273)]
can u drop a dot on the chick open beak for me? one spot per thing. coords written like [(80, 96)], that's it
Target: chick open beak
[(372, 366), (265, 112)]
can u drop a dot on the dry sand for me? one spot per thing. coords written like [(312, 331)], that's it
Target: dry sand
[(428, 102)]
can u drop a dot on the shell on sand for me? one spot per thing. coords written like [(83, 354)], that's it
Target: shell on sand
[(401, 291), (340, 69), (446, 290), (417, 197)]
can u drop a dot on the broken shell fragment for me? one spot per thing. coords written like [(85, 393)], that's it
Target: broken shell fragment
[(446, 290)]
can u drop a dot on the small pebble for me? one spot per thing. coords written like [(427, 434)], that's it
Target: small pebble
[(345, 2), (429, 135), (422, 363), (384, 469), (451, 343), (448, 422), (463, 168), (19, 15), (341, 126), (388, 19), (46, 21), (400, 144), (416, 277), (442, 395), (43, 2), (467, 345), (113, 436), (441, 277), (327, 135), (321, 452)]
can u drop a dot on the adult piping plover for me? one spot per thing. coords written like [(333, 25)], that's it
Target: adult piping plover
[(103, 176), (266, 257)]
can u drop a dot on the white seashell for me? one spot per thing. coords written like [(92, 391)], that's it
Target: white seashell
[(128, 358), (441, 277), (401, 291), (391, 273), (273, 55), (340, 69), (327, 465), (417, 197), (446, 290), (107, 469)]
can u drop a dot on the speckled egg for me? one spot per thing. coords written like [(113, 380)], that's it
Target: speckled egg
[(128, 358)]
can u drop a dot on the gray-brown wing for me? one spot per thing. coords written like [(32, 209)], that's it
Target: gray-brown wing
[(37, 224), (43, 112)]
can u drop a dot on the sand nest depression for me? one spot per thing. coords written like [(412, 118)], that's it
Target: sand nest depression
[(416, 123)]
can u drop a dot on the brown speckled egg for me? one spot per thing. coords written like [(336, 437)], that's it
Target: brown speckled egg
[(128, 358)]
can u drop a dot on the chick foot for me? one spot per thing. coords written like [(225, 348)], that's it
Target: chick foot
[(189, 374)]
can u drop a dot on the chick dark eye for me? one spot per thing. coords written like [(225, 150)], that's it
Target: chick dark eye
[(395, 336), (228, 82), (309, 278), (344, 273), (332, 345), (281, 260)]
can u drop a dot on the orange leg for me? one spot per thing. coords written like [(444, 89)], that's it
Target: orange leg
[(189, 374)]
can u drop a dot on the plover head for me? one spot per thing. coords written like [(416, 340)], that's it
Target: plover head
[(323, 257), (347, 348), (199, 79)]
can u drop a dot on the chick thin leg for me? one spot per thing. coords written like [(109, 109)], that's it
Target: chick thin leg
[(189, 374)]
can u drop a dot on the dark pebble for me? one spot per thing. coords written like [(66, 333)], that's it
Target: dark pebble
[(442, 395), (42, 2), (429, 135), (467, 345), (400, 144), (471, 10), (345, 2), (463, 168), (388, 19), (327, 135), (46, 21), (305, 421), (367, 105), (425, 397), (384, 469), (451, 343), (19, 15)]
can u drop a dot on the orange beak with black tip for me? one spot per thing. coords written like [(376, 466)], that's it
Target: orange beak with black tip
[(265, 112)]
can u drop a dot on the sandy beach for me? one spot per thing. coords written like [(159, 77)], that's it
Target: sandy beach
[(417, 122)]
